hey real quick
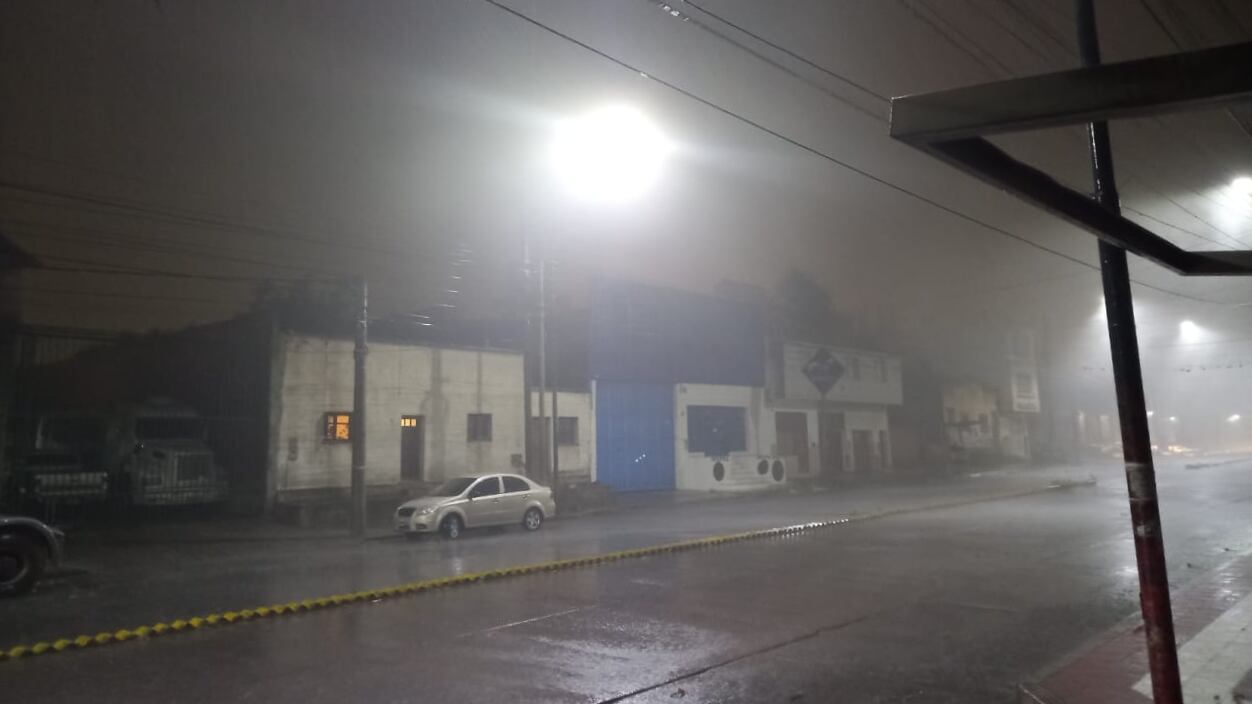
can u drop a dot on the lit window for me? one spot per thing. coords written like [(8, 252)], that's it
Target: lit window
[(566, 431), (408, 421), (337, 426), (478, 427)]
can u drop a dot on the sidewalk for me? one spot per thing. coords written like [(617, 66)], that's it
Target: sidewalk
[(1213, 623), (120, 584), (234, 529)]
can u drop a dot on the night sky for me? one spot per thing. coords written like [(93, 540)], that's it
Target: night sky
[(405, 142)]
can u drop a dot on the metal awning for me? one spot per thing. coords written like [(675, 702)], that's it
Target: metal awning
[(953, 125)]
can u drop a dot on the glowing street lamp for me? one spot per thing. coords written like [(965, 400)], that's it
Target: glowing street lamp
[(1242, 186), (1234, 418), (1188, 331), (612, 154)]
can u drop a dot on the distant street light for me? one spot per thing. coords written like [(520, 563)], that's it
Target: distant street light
[(1188, 331), (612, 154), (1234, 418), (1173, 419), (1242, 185), (1151, 413)]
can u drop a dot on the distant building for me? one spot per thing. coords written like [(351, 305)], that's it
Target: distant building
[(830, 407), (690, 394)]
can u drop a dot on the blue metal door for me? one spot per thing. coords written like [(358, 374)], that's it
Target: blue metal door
[(635, 435)]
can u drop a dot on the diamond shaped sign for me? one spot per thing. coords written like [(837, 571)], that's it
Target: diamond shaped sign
[(823, 370)]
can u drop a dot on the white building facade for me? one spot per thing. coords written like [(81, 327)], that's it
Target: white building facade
[(829, 407), (431, 413)]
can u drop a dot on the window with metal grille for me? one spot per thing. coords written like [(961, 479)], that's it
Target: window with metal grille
[(566, 431), (478, 428), (337, 426)]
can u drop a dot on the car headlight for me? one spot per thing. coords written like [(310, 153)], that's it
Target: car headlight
[(426, 511)]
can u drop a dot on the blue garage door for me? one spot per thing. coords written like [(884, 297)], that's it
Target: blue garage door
[(635, 435)]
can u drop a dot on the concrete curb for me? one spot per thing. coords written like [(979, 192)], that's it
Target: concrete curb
[(226, 618)]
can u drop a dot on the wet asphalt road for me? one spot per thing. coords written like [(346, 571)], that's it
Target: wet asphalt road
[(952, 605)]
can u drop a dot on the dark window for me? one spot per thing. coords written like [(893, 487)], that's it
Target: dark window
[(487, 487), (512, 484), (566, 431), (479, 427), (984, 423), (337, 426), (169, 429), (716, 430)]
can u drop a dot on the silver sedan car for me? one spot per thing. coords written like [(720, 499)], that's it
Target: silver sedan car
[(475, 501)]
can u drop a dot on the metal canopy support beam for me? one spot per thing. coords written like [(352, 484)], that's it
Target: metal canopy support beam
[(1177, 82), (982, 159), (951, 125), (1145, 515)]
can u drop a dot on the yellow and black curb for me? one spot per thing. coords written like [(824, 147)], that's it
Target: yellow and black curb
[(217, 620)]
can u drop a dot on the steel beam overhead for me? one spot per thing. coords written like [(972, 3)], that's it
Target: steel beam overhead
[(1193, 80), (952, 125)]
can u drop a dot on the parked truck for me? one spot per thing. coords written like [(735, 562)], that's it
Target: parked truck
[(153, 453)]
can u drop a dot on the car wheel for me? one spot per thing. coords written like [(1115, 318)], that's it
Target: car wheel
[(452, 527), (533, 519), (22, 563)]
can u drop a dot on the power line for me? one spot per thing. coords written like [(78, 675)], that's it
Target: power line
[(780, 136), (1238, 244), (816, 152), (784, 50), (670, 10), (838, 76)]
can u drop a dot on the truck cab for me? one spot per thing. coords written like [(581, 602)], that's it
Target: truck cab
[(161, 448)]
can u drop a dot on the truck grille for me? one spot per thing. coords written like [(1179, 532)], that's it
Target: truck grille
[(192, 468)]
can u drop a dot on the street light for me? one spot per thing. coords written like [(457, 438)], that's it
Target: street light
[(1242, 186), (612, 154), (1188, 331), (1234, 418)]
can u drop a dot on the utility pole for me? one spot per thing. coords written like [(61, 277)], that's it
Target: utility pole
[(1145, 516), (357, 425), (528, 442), (544, 444)]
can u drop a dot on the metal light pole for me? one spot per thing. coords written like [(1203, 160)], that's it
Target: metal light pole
[(1145, 514), (357, 425)]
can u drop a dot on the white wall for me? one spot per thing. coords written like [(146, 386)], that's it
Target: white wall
[(573, 460), (694, 471), (442, 385), (855, 417), (868, 377)]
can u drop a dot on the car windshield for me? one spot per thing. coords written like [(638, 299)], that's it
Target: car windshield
[(453, 487)]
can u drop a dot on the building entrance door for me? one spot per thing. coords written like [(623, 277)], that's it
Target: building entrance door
[(793, 438), (412, 447), (830, 443), (863, 452)]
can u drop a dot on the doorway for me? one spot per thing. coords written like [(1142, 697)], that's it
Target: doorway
[(863, 452), (792, 429), (830, 443), (412, 447)]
